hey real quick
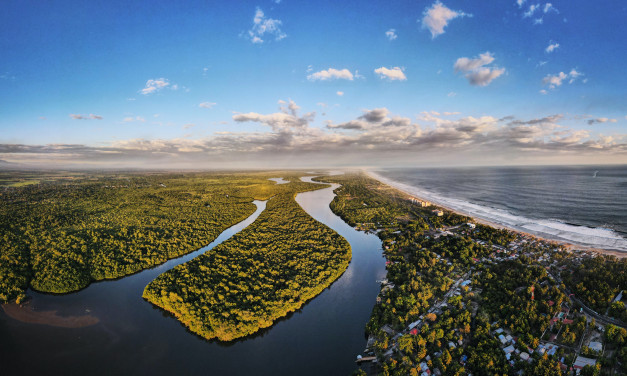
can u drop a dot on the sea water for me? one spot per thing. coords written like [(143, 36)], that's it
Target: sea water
[(583, 205)]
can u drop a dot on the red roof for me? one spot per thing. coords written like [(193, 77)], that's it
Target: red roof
[(567, 321), (551, 303), (413, 331)]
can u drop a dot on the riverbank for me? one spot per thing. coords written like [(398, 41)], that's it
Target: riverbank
[(570, 246)]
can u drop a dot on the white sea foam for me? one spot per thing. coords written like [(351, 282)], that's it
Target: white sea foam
[(547, 228)]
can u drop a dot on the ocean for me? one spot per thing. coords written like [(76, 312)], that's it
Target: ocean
[(582, 205)]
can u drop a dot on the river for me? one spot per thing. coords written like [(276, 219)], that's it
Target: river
[(134, 337)]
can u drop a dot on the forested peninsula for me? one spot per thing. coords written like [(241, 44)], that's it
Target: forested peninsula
[(264, 272)]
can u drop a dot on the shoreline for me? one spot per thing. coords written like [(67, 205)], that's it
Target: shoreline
[(570, 246)]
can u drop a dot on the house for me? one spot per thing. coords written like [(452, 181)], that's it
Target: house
[(471, 225), (524, 356), (502, 339), (509, 349), (595, 346), (414, 324), (438, 212), (581, 362), (388, 329)]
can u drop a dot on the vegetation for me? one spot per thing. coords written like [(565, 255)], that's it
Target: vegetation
[(262, 273), (70, 229), (597, 281), (427, 318), (507, 296)]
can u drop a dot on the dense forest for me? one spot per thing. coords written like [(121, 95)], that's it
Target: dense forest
[(597, 281), (62, 231), (267, 270)]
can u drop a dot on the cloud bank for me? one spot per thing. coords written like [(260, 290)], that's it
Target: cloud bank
[(375, 137)]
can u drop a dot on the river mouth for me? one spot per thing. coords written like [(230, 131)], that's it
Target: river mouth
[(134, 336)]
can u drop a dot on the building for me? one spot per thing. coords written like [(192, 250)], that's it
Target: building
[(502, 339), (471, 225), (595, 346), (419, 202), (438, 212), (414, 324), (581, 362)]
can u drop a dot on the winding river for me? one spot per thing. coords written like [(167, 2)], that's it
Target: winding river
[(133, 337)]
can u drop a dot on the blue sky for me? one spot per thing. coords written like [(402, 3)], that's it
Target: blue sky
[(291, 83)]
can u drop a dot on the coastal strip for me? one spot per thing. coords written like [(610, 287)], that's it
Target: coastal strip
[(570, 246)]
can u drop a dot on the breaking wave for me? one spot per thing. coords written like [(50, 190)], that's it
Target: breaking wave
[(595, 237)]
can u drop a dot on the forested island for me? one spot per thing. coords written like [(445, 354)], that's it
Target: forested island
[(465, 298)]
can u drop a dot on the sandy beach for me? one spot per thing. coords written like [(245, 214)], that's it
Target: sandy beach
[(568, 245), (25, 313)]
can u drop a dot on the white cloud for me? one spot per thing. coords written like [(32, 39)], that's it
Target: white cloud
[(601, 120), (464, 64), (131, 119), (555, 80), (543, 92), (86, 117), (574, 75), (537, 8), (340, 93), (287, 121), (188, 126), (549, 7), (154, 85), (391, 34), (451, 94), (532, 9), (437, 17), (475, 70), (552, 47), (330, 74), (520, 3), (207, 105), (265, 26), (393, 74)]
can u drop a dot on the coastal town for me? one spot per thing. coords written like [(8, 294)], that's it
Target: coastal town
[(443, 311)]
